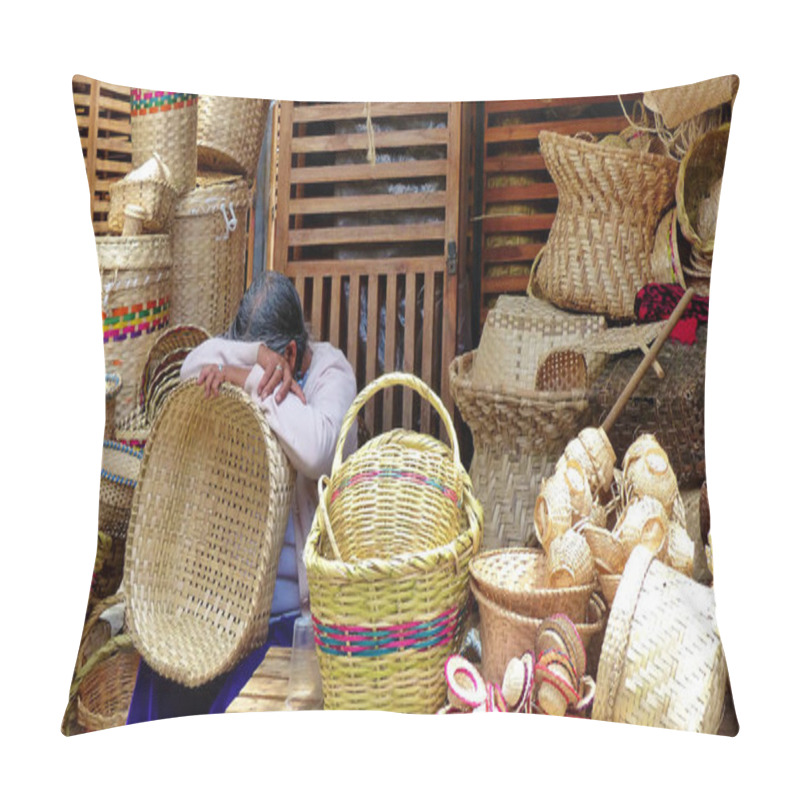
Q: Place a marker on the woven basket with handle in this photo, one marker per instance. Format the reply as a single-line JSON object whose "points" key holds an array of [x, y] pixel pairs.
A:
{"points": [[387, 561], [208, 519], [610, 201]]}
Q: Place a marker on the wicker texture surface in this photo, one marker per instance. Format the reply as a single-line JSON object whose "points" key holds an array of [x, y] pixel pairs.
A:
{"points": [[389, 589], [518, 440], [230, 131], [166, 123], [680, 103], [662, 662], [135, 283], [151, 189], [209, 239], [672, 408], [610, 201], [209, 516], [113, 386], [118, 475]]}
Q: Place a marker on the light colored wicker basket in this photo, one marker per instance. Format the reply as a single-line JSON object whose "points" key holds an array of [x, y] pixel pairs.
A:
{"points": [[518, 440], [678, 104], [230, 131], [610, 201], [209, 239], [209, 515], [135, 283], [166, 123], [662, 662], [151, 189], [113, 385], [506, 635], [516, 579], [118, 476], [387, 616]]}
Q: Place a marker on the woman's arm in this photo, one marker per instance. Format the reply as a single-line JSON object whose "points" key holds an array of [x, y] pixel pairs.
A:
{"points": [[219, 351]]}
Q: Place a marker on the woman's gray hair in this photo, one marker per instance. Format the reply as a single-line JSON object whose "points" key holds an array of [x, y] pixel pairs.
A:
{"points": [[270, 312]]}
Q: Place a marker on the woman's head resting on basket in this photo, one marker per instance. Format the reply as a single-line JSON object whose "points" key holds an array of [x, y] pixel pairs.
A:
{"points": [[270, 312]]}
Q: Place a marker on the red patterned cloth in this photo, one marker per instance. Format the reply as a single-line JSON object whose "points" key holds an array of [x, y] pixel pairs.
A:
{"points": [[656, 301]]}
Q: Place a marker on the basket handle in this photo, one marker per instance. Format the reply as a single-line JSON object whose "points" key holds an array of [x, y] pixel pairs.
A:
{"points": [[384, 381], [323, 509], [534, 269]]}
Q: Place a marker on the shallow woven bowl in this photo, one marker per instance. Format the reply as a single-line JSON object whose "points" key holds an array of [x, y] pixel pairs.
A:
{"points": [[516, 579]]}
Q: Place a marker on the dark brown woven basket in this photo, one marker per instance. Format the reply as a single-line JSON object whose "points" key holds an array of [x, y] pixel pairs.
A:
{"points": [[671, 408]]}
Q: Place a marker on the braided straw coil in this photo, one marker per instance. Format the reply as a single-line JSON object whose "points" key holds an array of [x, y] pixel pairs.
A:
{"points": [[386, 559], [208, 519], [662, 662], [610, 201], [230, 131]]}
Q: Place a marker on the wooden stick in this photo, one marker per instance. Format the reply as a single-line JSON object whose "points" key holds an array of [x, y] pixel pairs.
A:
{"points": [[637, 376]]}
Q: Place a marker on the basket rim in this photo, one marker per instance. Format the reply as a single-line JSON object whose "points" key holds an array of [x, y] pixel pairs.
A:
{"points": [[618, 153]]}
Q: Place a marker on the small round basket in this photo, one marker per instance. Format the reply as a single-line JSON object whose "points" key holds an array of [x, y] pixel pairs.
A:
{"points": [[208, 521], [516, 579]]}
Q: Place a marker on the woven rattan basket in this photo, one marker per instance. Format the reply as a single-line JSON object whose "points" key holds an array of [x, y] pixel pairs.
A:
{"points": [[149, 187], [166, 123], [134, 430], [387, 616], [610, 201], [209, 238], [105, 691], [208, 520], [230, 131], [135, 283], [518, 440], [113, 385], [672, 408], [662, 662], [506, 635], [516, 579], [118, 476]]}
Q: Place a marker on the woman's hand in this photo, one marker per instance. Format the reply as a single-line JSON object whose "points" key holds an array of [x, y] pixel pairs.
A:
{"points": [[212, 376], [277, 376]]}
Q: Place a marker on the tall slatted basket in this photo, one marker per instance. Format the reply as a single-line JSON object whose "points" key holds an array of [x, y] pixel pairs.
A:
{"points": [[610, 201], [135, 278], [208, 521], [230, 131], [209, 240], [387, 561]]}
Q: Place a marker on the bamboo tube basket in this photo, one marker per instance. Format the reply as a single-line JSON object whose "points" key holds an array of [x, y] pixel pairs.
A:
{"points": [[118, 476], [149, 187], [506, 634], [166, 123], [208, 520], [516, 579], [209, 239], [230, 131], [135, 281], [105, 690], [113, 385], [662, 662], [386, 559], [610, 201]]}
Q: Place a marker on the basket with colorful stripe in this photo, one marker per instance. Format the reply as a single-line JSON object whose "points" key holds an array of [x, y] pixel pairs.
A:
{"points": [[135, 283], [118, 475], [387, 562]]}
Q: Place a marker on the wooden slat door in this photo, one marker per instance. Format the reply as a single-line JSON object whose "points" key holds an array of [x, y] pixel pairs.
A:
{"points": [[367, 244]]}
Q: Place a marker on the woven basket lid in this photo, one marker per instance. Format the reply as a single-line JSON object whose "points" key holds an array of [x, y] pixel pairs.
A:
{"points": [[213, 188], [662, 662], [680, 103]]}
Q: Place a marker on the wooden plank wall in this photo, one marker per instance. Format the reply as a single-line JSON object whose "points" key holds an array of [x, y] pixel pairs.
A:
{"points": [[104, 122], [367, 244], [519, 197]]}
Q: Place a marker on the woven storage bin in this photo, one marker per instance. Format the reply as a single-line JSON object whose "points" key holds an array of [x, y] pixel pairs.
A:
{"points": [[662, 662], [610, 201], [516, 579], [672, 408], [149, 187], [118, 477], [518, 440], [135, 282], [700, 170], [230, 131], [113, 385], [166, 123], [104, 694], [388, 616], [209, 238], [208, 520], [506, 635]]}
